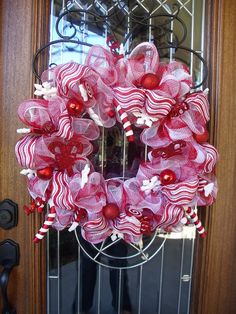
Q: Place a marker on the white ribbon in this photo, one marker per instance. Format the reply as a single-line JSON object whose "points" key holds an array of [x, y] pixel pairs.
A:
{"points": [[83, 92], [85, 173], [95, 117]]}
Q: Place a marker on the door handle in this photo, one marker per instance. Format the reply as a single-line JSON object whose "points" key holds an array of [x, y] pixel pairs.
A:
{"points": [[9, 257]]}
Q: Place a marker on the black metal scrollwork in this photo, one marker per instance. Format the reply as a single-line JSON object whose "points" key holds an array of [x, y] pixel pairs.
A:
{"points": [[124, 20]]}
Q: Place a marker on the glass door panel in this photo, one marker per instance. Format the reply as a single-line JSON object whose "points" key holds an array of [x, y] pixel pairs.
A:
{"points": [[159, 279]]}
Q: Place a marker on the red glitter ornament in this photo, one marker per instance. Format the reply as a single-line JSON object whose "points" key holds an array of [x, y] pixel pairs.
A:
{"points": [[150, 81], [45, 173], [111, 211], [167, 176], [201, 138], [74, 108]]}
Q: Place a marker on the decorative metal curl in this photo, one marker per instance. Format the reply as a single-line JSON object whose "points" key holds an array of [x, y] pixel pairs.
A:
{"points": [[41, 50], [164, 31], [164, 37], [138, 21], [97, 19], [205, 68]]}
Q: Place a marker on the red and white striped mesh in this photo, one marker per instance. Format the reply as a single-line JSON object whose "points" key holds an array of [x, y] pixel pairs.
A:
{"points": [[110, 88]]}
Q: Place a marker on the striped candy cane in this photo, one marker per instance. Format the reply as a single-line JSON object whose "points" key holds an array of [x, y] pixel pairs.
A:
{"points": [[202, 184], [75, 222], [79, 214], [125, 122], [194, 218], [46, 225]]}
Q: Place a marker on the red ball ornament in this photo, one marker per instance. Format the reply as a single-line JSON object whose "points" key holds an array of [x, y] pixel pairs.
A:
{"points": [[74, 108], [150, 81], [167, 176], [45, 173], [111, 211], [201, 138]]}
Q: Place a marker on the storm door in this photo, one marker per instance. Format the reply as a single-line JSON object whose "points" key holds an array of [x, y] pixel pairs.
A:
{"points": [[118, 278]]}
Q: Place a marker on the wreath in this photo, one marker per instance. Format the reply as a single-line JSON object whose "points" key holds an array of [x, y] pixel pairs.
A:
{"points": [[74, 101]]}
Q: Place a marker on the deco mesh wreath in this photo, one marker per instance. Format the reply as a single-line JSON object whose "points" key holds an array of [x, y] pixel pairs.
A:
{"points": [[138, 90]]}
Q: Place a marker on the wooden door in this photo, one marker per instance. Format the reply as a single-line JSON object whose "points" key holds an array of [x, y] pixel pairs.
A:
{"points": [[215, 276], [24, 26]]}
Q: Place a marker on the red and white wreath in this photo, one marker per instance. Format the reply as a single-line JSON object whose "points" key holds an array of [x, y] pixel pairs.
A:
{"points": [[139, 90]]}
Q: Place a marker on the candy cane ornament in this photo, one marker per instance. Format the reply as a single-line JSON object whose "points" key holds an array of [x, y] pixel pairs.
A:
{"points": [[125, 122], [46, 225], [79, 214], [194, 218]]}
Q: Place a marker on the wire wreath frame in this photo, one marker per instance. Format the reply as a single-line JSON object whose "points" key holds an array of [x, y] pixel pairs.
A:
{"points": [[142, 256]]}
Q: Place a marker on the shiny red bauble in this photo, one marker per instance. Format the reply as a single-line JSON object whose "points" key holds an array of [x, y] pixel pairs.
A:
{"points": [[202, 138], [150, 81], [111, 211], [74, 108], [167, 176], [45, 173]]}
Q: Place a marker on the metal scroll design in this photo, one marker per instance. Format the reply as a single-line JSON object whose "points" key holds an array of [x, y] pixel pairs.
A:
{"points": [[127, 22]]}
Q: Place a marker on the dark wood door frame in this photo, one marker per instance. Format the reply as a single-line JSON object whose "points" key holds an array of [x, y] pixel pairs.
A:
{"points": [[214, 289]]}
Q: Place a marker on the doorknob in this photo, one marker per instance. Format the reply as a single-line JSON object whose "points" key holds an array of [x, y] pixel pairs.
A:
{"points": [[9, 257]]}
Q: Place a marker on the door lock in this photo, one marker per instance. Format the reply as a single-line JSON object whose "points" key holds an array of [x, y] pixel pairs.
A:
{"points": [[8, 214]]}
